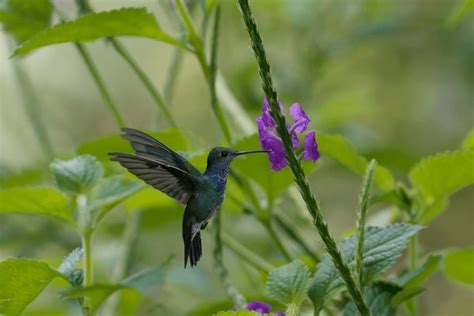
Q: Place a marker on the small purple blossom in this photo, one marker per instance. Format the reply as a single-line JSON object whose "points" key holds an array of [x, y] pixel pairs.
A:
{"points": [[259, 307], [269, 139]]}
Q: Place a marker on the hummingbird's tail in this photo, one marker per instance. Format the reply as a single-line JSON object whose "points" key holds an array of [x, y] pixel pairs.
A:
{"points": [[192, 246]]}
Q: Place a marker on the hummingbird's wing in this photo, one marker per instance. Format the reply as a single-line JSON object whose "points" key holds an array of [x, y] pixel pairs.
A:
{"points": [[176, 183], [149, 147]]}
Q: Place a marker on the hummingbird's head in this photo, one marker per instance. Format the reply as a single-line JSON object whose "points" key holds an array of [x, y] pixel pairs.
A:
{"points": [[221, 157]]}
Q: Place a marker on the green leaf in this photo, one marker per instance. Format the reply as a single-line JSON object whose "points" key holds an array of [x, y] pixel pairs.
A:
{"points": [[22, 280], [378, 298], [15, 178], [289, 283], [460, 12], [94, 26], [428, 213], [112, 190], [382, 247], [77, 175], [405, 294], [339, 148], [458, 265], [35, 201], [440, 175], [98, 293], [100, 147], [257, 168], [416, 277], [25, 18], [468, 142]]}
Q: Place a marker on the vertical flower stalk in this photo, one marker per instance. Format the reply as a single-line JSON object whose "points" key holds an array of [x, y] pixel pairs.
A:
{"points": [[294, 163], [364, 200]]}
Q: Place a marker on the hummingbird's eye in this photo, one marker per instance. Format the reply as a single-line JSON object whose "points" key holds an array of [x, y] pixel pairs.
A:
{"points": [[224, 153]]}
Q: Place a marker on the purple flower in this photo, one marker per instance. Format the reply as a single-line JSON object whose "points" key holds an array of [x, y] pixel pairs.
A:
{"points": [[259, 307], [269, 139], [279, 314]]}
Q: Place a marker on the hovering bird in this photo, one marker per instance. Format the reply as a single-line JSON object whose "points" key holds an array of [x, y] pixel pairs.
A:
{"points": [[172, 174]]}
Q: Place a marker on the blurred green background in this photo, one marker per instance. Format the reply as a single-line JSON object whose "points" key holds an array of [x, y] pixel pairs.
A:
{"points": [[394, 77]]}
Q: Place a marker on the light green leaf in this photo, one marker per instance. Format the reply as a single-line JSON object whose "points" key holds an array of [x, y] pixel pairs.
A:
{"points": [[112, 190], [97, 25], [382, 247], [35, 201], [77, 175], [458, 265], [468, 142], [378, 298], [98, 293], [258, 169], [25, 18], [440, 175], [289, 283], [22, 280], [339, 149], [100, 147], [15, 178], [416, 277], [428, 213]]}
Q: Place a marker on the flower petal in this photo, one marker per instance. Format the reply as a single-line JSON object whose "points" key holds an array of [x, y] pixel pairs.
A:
{"points": [[294, 137], [267, 119], [310, 151], [300, 119], [259, 307], [277, 151]]}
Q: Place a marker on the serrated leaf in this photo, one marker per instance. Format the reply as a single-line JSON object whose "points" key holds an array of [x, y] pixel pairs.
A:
{"points": [[77, 175], [257, 168], [97, 25], [100, 147], [339, 149], [378, 298], [458, 265], [416, 277], [382, 247], [25, 18], [22, 280], [112, 190], [289, 283], [35, 201], [468, 142], [70, 261], [440, 175], [98, 293]]}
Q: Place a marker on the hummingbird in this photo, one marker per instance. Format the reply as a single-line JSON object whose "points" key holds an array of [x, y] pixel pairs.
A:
{"points": [[169, 172]]}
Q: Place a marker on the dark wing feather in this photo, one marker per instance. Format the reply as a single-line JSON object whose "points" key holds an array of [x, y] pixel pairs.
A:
{"points": [[176, 183], [149, 147]]}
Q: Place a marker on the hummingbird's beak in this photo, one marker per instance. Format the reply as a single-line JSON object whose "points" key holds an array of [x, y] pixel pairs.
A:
{"points": [[245, 152]]}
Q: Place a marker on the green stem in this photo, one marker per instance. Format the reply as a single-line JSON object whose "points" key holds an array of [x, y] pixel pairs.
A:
{"points": [[364, 200], [87, 267], [292, 309], [412, 304], [246, 254], [100, 84], [155, 94], [173, 70], [291, 232], [276, 240], [295, 164]]}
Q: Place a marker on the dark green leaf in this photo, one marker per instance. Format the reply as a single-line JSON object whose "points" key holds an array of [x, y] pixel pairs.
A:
{"points": [[21, 281], [93, 26], [25, 18], [112, 190], [338, 148], [416, 277], [458, 265], [378, 298], [382, 247], [35, 201], [77, 175], [288, 284]]}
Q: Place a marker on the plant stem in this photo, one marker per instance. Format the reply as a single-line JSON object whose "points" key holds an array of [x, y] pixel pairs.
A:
{"points": [[31, 103], [364, 200], [173, 70], [290, 231], [412, 304], [100, 84], [155, 94], [246, 254], [294, 163], [87, 267]]}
